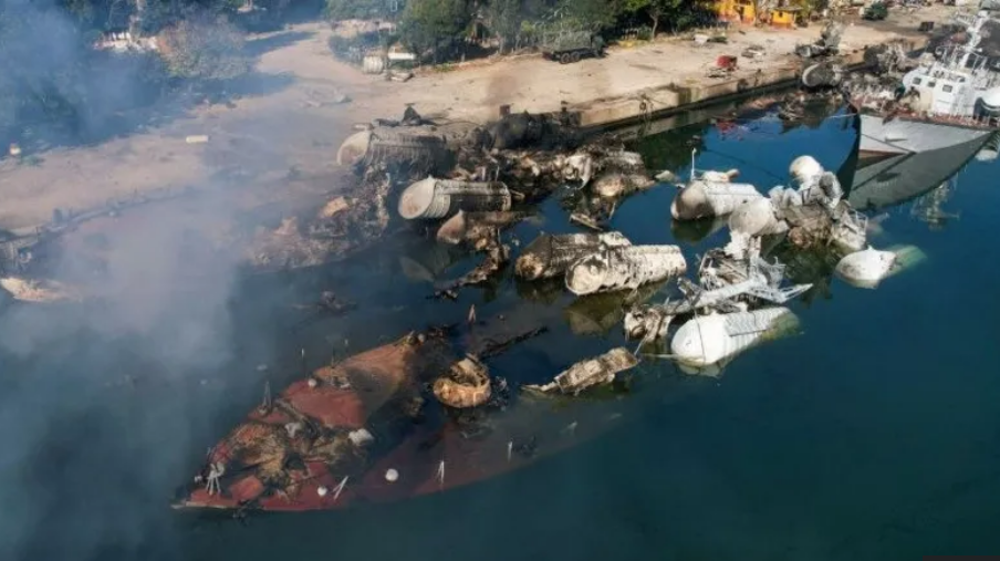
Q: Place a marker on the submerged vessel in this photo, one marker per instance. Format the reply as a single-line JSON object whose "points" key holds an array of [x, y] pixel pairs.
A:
{"points": [[948, 100], [365, 430]]}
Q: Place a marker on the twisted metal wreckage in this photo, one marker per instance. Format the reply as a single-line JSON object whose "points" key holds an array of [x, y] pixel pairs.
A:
{"points": [[425, 414]]}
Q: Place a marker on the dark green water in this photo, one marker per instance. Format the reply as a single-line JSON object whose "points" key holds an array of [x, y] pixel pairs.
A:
{"points": [[872, 435]]}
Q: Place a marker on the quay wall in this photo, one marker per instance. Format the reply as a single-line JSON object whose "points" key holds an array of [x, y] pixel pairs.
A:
{"points": [[672, 99]]}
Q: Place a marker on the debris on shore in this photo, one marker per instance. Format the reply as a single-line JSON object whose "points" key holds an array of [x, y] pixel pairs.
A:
{"points": [[39, 290]]}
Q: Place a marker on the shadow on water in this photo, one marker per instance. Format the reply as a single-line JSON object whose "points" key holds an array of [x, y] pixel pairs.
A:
{"points": [[842, 443]]}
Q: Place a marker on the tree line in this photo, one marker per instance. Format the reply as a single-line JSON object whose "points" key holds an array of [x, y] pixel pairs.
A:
{"points": [[427, 26], [54, 84], [51, 77]]}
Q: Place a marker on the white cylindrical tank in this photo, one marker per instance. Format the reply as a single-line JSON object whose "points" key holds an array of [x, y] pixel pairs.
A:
{"points": [[756, 218], [804, 169], [866, 268], [989, 102], [354, 148], [437, 198], [625, 267], [722, 176], [710, 339], [373, 64], [705, 199]]}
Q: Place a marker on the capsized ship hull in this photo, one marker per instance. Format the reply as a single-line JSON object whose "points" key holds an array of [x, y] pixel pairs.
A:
{"points": [[300, 453]]}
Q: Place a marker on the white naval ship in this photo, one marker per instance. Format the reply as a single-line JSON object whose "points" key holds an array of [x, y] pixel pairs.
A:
{"points": [[948, 100]]}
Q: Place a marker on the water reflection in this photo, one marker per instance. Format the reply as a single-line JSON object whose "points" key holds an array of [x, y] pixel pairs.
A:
{"points": [[694, 231], [929, 208], [894, 180]]}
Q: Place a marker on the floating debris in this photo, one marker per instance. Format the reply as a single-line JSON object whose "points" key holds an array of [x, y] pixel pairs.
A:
{"points": [[757, 218], [333, 207], [467, 384], [615, 185], [497, 256], [597, 314], [762, 282], [706, 199], [590, 372], [626, 267], [550, 255], [869, 267], [712, 338], [474, 227]]}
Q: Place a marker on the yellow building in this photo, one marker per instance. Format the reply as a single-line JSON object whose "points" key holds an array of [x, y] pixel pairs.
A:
{"points": [[785, 17], [736, 10]]}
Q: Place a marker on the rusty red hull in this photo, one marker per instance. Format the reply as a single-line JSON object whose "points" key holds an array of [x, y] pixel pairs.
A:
{"points": [[435, 451]]}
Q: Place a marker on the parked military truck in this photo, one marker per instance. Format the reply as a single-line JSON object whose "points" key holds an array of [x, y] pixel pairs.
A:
{"points": [[571, 46]]}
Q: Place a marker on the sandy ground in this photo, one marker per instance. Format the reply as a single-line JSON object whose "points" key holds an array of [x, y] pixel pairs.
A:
{"points": [[280, 146]]}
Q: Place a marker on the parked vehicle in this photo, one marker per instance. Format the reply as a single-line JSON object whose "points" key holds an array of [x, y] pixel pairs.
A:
{"points": [[572, 46]]}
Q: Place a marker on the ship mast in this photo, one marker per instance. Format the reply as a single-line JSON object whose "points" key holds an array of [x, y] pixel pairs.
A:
{"points": [[974, 37]]}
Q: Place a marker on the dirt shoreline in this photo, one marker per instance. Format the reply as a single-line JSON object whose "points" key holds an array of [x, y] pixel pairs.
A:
{"points": [[280, 147]]}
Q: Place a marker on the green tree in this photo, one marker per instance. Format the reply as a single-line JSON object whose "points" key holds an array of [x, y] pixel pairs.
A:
{"points": [[205, 47], [591, 14], [433, 25], [681, 13], [337, 10], [503, 18]]}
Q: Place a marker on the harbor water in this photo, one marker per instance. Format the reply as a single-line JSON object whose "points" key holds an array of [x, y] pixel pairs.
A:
{"points": [[872, 434]]}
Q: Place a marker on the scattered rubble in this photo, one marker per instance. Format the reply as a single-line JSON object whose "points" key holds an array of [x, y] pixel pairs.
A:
{"points": [[727, 285], [598, 314], [550, 256], [497, 256], [467, 384], [288, 247], [621, 268], [39, 290], [828, 43], [589, 373], [464, 188], [823, 75], [475, 228]]}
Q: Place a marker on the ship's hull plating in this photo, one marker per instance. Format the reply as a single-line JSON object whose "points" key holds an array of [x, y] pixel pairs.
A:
{"points": [[901, 135]]}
